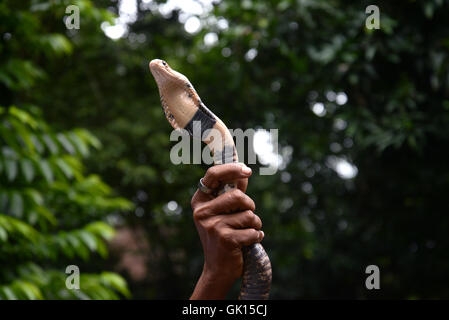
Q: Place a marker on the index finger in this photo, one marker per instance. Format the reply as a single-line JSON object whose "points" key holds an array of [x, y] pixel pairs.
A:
{"points": [[225, 173]]}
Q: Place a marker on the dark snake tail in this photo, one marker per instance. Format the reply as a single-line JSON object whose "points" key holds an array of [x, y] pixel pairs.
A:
{"points": [[256, 282]]}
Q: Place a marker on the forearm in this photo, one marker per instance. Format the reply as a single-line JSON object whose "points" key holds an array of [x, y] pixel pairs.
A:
{"points": [[211, 287]]}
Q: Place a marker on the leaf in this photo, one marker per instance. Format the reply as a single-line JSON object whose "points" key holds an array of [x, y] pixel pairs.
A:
{"points": [[46, 213], [45, 170], [11, 139], [80, 144], [20, 74], [101, 229], [3, 234], [79, 247], [428, 10], [88, 137], [64, 244], [75, 165], [30, 290], [32, 217], [27, 169], [88, 239], [16, 206], [65, 143], [8, 293], [102, 249], [115, 281], [23, 116], [13, 225], [11, 169], [35, 196], [50, 143], [23, 133], [64, 167], [58, 43], [37, 144]]}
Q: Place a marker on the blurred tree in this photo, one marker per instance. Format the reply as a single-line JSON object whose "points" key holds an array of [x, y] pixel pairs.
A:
{"points": [[51, 211], [362, 118]]}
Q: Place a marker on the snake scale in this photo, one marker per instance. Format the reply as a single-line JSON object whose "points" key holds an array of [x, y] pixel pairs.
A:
{"points": [[184, 109]]}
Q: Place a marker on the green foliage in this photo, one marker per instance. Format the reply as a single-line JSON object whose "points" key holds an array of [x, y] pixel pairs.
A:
{"points": [[51, 211]]}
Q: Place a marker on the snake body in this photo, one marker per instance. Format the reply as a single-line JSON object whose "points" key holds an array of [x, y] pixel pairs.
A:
{"points": [[184, 109]]}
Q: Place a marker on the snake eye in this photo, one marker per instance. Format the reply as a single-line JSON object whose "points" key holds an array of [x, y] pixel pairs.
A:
{"points": [[164, 63]]}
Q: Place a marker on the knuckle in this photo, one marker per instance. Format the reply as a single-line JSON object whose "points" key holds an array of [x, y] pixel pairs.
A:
{"points": [[212, 227], [254, 219], [225, 237], [199, 212], [237, 196], [250, 215], [254, 234], [212, 172], [235, 167]]}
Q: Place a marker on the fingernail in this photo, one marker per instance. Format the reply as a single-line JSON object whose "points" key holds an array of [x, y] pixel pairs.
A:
{"points": [[246, 170], [262, 235]]}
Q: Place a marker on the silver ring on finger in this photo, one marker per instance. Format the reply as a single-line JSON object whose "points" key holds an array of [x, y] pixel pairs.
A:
{"points": [[203, 188]]}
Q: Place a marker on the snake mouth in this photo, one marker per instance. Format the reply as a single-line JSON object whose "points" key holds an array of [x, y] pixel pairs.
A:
{"points": [[160, 70]]}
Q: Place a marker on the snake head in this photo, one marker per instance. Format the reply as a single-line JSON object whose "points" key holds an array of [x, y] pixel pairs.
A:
{"points": [[163, 74], [179, 99]]}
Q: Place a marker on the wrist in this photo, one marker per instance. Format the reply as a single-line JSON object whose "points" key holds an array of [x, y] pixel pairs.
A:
{"points": [[220, 278], [212, 285]]}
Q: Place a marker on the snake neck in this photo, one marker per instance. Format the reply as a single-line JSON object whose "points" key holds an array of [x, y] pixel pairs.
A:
{"points": [[221, 144]]}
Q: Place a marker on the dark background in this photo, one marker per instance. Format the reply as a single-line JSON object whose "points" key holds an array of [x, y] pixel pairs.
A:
{"points": [[363, 119]]}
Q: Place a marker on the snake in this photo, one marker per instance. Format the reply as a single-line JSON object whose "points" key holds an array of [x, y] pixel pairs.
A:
{"points": [[184, 109]]}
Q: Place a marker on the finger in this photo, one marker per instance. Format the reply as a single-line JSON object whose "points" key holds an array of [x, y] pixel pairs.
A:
{"points": [[242, 220], [228, 202], [242, 184], [225, 173], [201, 197], [246, 237]]}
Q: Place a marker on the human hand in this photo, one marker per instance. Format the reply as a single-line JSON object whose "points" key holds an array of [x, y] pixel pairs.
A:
{"points": [[225, 224]]}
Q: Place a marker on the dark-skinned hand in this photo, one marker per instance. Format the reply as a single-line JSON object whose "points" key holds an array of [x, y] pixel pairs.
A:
{"points": [[225, 224]]}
